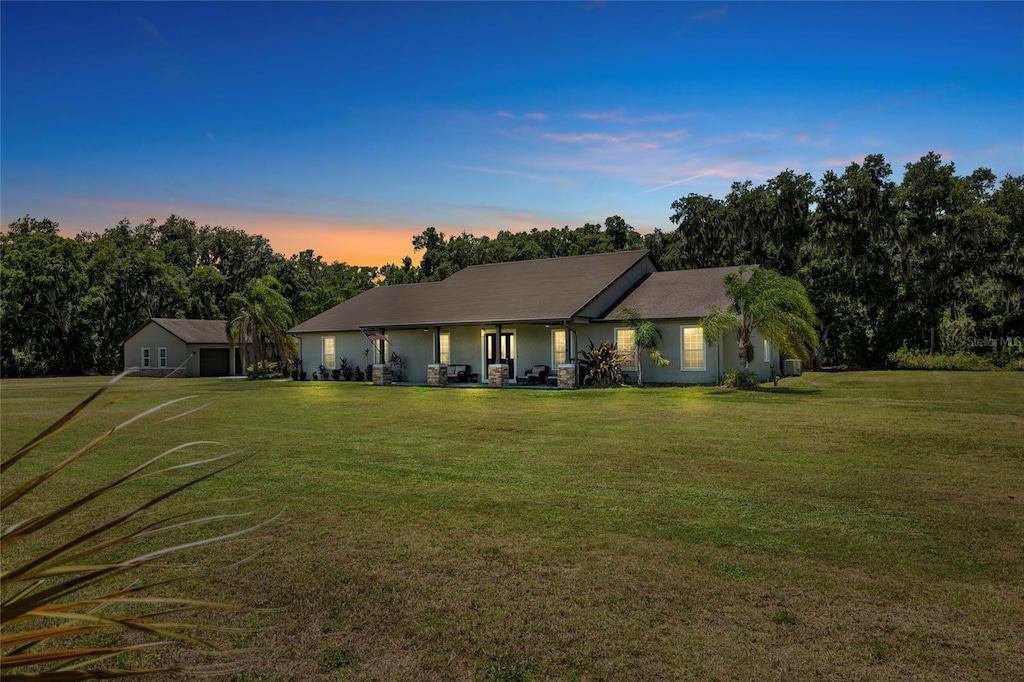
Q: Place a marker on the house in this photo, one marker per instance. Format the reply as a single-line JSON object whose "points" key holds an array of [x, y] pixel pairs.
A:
{"points": [[503, 318], [171, 347]]}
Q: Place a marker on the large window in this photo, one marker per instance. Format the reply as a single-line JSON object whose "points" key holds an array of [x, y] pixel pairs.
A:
{"points": [[559, 351], [329, 356], [626, 343], [445, 343], [145, 357], [693, 349], [161, 356], [767, 351]]}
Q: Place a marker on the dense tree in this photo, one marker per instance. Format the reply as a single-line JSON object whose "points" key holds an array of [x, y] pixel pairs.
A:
{"points": [[44, 286]]}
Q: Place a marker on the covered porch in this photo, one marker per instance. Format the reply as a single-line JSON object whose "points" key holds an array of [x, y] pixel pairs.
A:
{"points": [[534, 353]]}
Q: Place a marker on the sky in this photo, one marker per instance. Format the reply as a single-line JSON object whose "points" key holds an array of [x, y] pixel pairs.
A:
{"points": [[348, 128]]}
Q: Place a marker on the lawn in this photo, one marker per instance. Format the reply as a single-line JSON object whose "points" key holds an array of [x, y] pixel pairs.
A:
{"points": [[843, 526]]}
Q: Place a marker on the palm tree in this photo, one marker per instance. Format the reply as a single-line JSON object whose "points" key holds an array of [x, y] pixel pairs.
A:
{"points": [[261, 316], [777, 307], [645, 339]]}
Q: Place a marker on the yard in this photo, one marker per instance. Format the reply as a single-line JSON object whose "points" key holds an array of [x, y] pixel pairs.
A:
{"points": [[843, 526]]}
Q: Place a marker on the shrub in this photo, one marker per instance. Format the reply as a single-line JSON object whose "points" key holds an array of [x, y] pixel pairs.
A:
{"points": [[742, 379], [369, 372], [264, 369], [357, 374], [905, 358], [954, 334], [336, 374], [397, 363], [601, 366]]}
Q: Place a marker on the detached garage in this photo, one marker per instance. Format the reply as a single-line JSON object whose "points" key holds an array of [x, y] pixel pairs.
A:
{"points": [[182, 348]]}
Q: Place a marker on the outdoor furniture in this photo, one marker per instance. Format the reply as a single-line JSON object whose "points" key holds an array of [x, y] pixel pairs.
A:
{"points": [[538, 374], [458, 374]]}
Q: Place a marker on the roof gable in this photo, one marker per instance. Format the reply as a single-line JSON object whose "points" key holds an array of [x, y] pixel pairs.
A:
{"points": [[676, 294], [194, 331]]}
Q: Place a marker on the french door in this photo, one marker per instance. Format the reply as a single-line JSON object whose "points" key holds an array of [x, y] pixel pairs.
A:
{"points": [[502, 353]]}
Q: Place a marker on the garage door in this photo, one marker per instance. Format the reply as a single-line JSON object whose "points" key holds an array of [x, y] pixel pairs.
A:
{"points": [[214, 362]]}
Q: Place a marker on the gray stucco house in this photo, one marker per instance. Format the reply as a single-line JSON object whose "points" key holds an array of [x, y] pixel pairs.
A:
{"points": [[501, 319], [173, 347]]}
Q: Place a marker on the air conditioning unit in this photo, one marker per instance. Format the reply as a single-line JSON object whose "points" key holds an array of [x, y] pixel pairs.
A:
{"points": [[793, 368]]}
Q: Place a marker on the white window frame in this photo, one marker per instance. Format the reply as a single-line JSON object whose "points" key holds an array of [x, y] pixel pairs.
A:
{"points": [[554, 347], [334, 352], [682, 349], [444, 344], [619, 346], [161, 357], [767, 351], [145, 357]]}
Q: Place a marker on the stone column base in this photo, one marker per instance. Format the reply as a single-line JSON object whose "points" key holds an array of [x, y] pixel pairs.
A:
{"points": [[437, 375], [497, 376], [567, 376], [382, 375]]}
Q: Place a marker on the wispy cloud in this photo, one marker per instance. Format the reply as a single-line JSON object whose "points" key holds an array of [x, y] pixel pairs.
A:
{"points": [[629, 141], [506, 171], [678, 182], [620, 116], [836, 162], [532, 115], [744, 136], [716, 13]]}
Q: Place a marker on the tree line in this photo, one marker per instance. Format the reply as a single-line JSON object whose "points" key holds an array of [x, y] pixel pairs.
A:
{"points": [[932, 262], [67, 304], [929, 263]]}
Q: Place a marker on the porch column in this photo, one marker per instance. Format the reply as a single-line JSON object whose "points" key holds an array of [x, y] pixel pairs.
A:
{"points": [[569, 354], [437, 372], [380, 348], [497, 374]]}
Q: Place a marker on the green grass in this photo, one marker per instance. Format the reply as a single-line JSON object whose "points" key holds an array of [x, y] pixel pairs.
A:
{"points": [[843, 526]]}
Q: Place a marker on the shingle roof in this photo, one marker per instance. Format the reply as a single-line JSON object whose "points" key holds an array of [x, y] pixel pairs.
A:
{"points": [[551, 289], [676, 294], [195, 331]]}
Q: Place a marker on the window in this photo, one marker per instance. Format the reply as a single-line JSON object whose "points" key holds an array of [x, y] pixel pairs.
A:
{"points": [[445, 343], [624, 341], [559, 353], [329, 357], [767, 351], [693, 349], [161, 356], [145, 357]]}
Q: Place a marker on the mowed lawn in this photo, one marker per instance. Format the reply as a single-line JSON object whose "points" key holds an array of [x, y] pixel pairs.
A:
{"points": [[843, 526]]}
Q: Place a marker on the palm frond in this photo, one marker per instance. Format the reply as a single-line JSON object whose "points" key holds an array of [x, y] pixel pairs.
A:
{"points": [[53, 596]]}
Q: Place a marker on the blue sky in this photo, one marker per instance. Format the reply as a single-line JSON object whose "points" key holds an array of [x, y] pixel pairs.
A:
{"points": [[350, 127]]}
